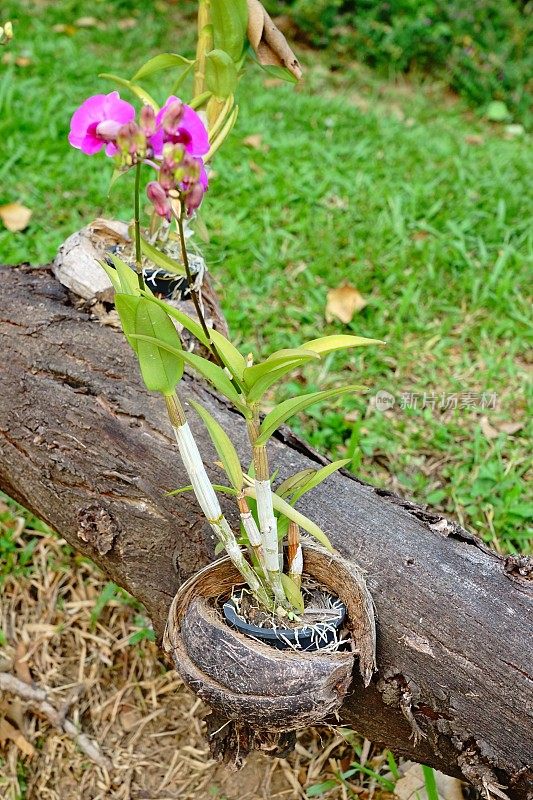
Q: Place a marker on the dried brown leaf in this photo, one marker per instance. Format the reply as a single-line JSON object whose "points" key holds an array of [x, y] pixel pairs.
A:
{"points": [[86, 22], [493, 430], [474, 138], [15, 216], [255, 141], [127, 23], [343, 303], [268, 42]]}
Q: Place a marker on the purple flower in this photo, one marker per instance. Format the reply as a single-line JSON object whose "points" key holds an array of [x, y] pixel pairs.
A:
{"points": [[96, 123], [182, 125]]}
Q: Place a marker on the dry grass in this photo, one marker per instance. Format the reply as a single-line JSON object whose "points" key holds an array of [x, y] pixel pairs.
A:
{"points": [[122, 696]]}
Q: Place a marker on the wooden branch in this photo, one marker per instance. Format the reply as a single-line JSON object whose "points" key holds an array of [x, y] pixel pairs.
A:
{"points": [[85, 447], [38, 699]]}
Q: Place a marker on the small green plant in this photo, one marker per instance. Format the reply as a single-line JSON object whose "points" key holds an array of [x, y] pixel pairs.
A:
{"points": [[175, 143]]}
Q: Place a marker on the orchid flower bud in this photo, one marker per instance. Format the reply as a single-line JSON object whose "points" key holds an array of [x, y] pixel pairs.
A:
{"points": [[131, 141], [172, 117], [194, 197], [147, 117], [158, 197], [166, 177]]}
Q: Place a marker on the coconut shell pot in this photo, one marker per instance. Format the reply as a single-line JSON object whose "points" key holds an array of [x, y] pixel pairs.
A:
{"points": [[246, 680]]}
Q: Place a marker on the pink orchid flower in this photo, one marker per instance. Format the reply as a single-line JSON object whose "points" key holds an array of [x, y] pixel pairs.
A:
{"points": [[186, 127], [96, 123]]}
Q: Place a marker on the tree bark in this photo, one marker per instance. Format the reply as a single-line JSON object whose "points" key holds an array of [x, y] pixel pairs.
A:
{"points": [[86, 448]]}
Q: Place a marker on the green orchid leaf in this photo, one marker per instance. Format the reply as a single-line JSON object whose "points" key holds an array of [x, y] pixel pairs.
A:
{"points": [[289, 485], [227, 351], [292, 593], [200, 100], [293, 405], [156, 340], [137, 90], [277, 71], [126, 306], [117, 174], [162, 62], [129, 282], [187, 322], [229, 354], [230, 20], [327, 344], [181, 78], [112, 274], [161, 259], [223, 445], [278, 359], [288, 511], [211, 372], [263, 384], [220, 73], [317, 478], [216, 486], [182, 489]]}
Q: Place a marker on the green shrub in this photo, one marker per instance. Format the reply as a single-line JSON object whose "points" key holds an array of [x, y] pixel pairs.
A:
{"points": [[482, 48]]}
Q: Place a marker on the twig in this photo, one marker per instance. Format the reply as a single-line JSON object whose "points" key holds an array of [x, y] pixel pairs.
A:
{"points": [[37, 698]]}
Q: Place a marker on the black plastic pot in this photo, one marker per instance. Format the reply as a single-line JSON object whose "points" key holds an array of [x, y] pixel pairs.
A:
{"points": [[167, 284], [305, 639]]}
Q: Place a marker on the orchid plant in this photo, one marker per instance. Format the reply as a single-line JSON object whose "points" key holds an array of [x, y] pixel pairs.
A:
{"points": [[173, 144]]}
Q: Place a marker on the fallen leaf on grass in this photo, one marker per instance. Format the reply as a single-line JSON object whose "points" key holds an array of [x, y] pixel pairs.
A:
{"points": [[15, 216], [492, 431], [343, 302], [127, 23], [255, 141], [61, 27], [86, 22], [23, 61], [474, 138], [8, 731], [256, 168]]}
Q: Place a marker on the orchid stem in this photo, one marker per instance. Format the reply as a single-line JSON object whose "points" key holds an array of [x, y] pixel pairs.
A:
{"points": [[268, 526], [208, 500], [137, 226], [194, 293]]}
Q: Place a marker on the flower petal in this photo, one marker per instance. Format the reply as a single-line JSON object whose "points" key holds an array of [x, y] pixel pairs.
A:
{"points": [[196, 129], [91, 145]]}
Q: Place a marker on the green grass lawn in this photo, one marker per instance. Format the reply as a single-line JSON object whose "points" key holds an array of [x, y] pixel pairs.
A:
{"points": [[394, 188]]}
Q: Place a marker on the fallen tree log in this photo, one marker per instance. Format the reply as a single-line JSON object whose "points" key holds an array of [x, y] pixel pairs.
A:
{"points": [[85, 447]]}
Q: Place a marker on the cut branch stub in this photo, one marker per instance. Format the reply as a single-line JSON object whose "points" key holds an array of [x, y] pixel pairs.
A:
{"points": [[246, 680]]}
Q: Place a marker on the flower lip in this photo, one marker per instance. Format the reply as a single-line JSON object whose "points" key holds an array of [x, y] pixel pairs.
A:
{"points": [[107, 129]]}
